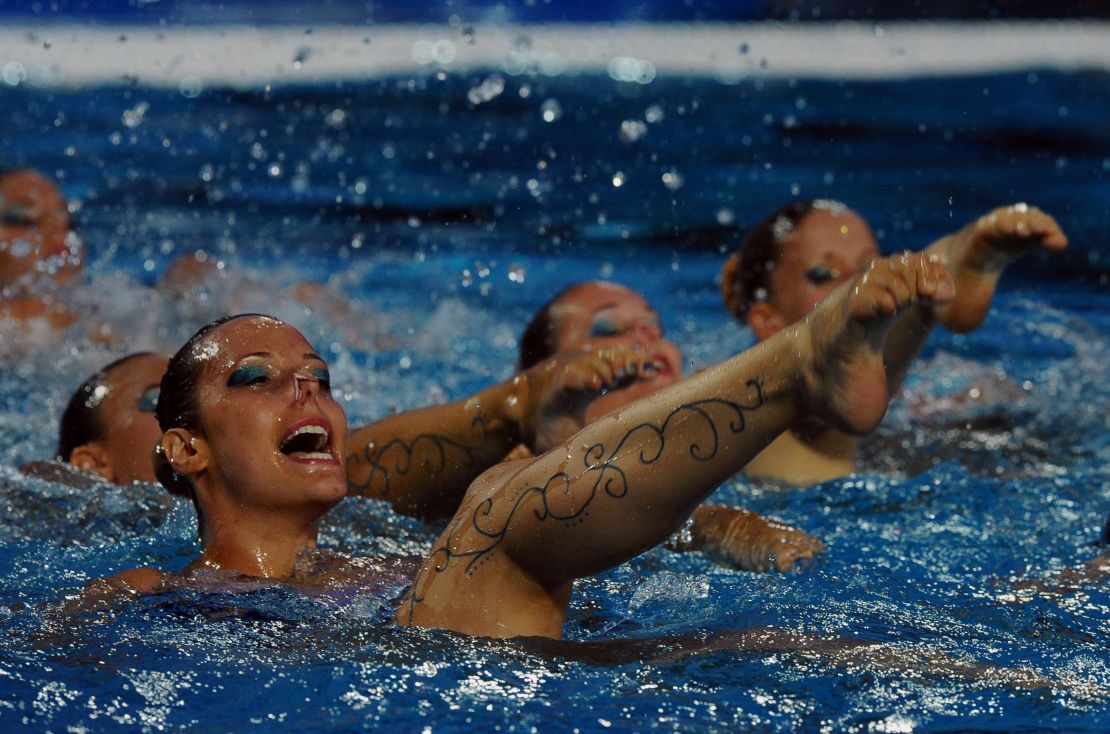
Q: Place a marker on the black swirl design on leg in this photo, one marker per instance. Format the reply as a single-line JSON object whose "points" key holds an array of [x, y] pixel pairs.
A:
{"points": [[610, 479]]}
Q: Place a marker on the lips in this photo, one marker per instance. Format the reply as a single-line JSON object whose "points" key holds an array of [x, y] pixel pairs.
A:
{"points": [[309, 442], [663, 366]]}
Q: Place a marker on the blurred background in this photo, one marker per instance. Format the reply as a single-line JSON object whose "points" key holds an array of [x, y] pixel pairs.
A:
{"points": [[538, 11]]}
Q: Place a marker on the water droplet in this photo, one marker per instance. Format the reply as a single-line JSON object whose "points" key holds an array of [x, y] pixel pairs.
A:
{"points": [[191, 86], [551, 110], [673, 180], [632, 130]]}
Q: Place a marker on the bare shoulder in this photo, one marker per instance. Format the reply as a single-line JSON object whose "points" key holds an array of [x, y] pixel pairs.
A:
{"points": [[136, 580]]}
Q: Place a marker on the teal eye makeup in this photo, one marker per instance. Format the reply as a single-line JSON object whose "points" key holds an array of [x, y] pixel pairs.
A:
{"points": [[17, 216], [148, 401], [323, 376], [604, 326], [820, 274], [248, 374]]}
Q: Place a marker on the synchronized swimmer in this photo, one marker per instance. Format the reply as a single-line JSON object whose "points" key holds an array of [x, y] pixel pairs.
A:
{"points": [[252, 432], [242, 422]]}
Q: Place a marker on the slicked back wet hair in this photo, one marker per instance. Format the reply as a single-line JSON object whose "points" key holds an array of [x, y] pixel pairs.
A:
{"points": [[177, 399], [81, 422], [537, 343], [746, 275]]}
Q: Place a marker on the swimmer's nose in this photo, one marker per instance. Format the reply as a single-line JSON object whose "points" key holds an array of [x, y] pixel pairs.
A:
{"points": [[648, 331], [305, 386]]}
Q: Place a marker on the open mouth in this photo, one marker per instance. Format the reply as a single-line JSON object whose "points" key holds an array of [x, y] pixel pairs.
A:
{"points": [[308, 442]]}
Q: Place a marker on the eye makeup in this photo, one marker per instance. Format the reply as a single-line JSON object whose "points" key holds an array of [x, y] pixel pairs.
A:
{"points": [[248, 374], [323, 376], [17, 215], [149, 399], [821, 274], [604, 326]]}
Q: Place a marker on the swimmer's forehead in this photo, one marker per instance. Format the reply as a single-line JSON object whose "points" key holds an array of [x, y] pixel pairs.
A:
{"points": [[143, 370], [253, 336], [600, 296], [783, 227], [829, 233], [29, 187], [146, 369]]}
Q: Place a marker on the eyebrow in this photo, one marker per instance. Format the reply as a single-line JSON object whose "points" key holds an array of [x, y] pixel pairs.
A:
{"points": [[306, 355]]}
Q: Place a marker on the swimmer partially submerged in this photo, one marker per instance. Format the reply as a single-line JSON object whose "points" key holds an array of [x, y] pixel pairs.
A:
{"points": [[603, 315], [526, 529], [797, 255]]}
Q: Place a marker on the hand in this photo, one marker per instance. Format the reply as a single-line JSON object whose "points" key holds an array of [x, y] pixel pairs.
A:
{"points": [[560, 389], [750, 541]]}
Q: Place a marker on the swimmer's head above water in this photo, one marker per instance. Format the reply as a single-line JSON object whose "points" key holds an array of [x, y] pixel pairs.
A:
{"points": [[249, 424], [36, 237], [110, 418], [598, 315], [793, 259]]}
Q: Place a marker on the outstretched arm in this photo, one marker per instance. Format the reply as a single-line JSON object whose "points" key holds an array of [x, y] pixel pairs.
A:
{"points": [[976, 256], [423, 460], [625, 482]]}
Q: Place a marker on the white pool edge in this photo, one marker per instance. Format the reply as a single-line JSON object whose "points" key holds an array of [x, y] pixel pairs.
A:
{"points": [[193, 58]]}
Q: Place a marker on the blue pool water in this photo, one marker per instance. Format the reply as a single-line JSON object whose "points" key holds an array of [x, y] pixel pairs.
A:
{"points": [[447, 209]]}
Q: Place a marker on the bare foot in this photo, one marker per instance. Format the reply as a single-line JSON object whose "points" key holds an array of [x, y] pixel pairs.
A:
{"points": [[979, 252], [845, 381]]}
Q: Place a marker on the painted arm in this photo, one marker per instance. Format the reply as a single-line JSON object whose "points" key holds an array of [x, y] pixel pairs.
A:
{"points": [[423, 460]]}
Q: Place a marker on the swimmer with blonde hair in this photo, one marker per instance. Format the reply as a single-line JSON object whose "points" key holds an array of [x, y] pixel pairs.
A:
{"points": [[252, 431], [796, 256]]}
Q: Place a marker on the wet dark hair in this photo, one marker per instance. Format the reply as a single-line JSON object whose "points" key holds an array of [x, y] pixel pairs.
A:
{"points": [[537, 343], [177, 401], [746, 274], [81, 422]]}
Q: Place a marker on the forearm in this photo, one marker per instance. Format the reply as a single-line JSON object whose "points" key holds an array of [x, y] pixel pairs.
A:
{"points": [[423, 460]]}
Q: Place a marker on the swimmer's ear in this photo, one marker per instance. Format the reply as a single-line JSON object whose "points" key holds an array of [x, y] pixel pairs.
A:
{"points": [[93, 458], [184, 451], [764, 320]]}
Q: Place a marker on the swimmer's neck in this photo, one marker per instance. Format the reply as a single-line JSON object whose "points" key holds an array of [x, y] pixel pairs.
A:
{"points": [[819, 456], [268, 549]]}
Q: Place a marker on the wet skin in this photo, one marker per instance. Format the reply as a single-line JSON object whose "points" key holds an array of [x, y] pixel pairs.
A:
{"points": [[35, 232], [599, 315], [130, 430], [262, 383], [827, 248]]}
